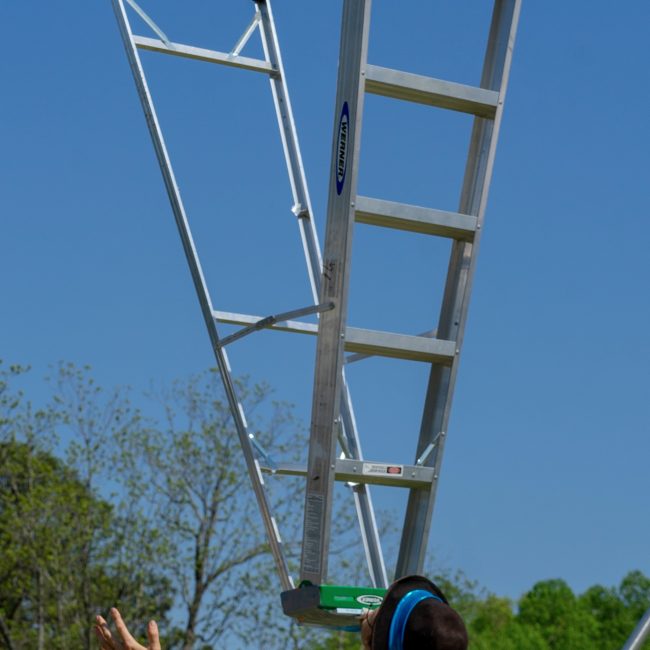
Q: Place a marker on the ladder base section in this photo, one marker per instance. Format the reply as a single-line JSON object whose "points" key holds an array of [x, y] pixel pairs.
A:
{"points": [[331, 606]]}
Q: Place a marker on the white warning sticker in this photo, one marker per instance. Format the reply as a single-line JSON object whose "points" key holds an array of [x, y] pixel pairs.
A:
{"points": [[379, 469]]}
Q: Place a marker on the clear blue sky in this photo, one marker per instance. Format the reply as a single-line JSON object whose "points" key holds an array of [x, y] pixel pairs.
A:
{"points": [[546, 471]]}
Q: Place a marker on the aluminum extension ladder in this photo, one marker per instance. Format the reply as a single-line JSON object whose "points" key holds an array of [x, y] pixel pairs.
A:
{"points": [[345, 207], [255, 457], [332, 413]]}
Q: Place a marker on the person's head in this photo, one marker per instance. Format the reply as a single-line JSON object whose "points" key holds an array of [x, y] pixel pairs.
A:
{"points": [[414, 615]]}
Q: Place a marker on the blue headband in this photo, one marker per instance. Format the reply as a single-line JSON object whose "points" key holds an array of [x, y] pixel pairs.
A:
{"points": [[402, 612]]}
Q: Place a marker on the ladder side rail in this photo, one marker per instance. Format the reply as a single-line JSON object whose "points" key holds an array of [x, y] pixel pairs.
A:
{"points": [[325, 415], [311, 247], [455, 304], [198, 279], [362, 496], [302, 202]]}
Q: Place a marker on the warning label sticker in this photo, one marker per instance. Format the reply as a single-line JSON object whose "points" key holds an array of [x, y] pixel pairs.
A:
{"points": [[312, 540], [382, 470]]}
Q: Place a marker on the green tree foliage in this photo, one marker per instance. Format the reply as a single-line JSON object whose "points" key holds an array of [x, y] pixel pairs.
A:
{"points": [[59, 565], [551, 617], [614, 618], [634, 592], [552, 608], [494, 627]]}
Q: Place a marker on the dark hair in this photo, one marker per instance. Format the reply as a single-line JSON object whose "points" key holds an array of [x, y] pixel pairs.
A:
{"points": [[434, 626]]}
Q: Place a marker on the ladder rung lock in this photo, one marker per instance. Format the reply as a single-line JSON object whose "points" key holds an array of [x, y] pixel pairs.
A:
{"points": [[370, 342], [369, 472], [413, 218], [201, 54], [433, 92]]}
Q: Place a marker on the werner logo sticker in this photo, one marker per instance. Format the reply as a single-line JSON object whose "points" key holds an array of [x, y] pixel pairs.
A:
{"points": [[342, 148], [369, 600]]}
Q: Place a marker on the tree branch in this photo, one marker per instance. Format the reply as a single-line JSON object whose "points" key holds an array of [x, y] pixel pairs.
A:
{"points": [[4, 633]]}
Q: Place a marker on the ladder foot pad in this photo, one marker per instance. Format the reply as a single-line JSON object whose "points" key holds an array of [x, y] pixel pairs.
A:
{"points": [[332, 606]]}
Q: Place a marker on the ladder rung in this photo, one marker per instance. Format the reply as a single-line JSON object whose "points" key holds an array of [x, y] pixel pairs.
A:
{"points": [[413, 218], [434, 92], [370, 342], [363, 471], [201, 54], [399, 346]]}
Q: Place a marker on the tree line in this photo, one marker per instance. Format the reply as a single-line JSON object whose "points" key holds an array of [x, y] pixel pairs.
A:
{"points": [[102, 505]]}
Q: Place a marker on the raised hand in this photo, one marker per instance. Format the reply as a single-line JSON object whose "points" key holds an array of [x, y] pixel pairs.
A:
{"points": [[108, 642]]}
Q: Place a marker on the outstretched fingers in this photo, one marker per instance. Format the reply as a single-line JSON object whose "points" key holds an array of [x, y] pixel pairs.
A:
{"points": [[129, 641], [108, 642], [103, 634], [152, 635]]}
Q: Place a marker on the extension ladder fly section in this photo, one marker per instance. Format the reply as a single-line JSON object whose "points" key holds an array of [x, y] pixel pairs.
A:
{"points": [[255, 457], [357, 77], [486, 103]]}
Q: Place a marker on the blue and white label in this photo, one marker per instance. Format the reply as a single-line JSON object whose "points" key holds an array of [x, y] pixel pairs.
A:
{"points": [[342, 148]]}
